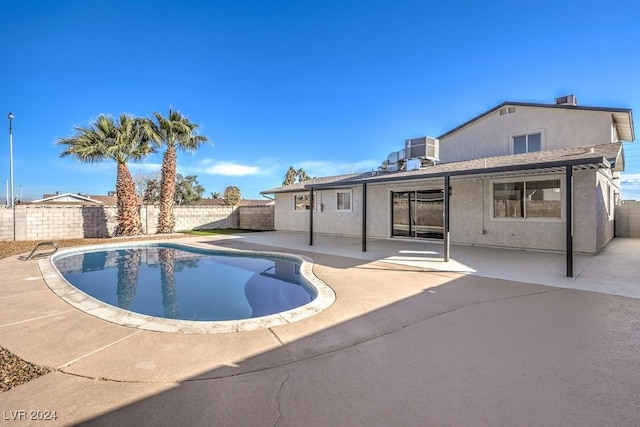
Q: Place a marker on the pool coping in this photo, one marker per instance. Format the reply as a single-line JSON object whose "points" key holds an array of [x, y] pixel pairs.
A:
{"points": [[325, 296]]}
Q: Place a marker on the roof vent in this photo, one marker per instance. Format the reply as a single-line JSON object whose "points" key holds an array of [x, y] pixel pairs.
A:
{"points": [[567, 100]]}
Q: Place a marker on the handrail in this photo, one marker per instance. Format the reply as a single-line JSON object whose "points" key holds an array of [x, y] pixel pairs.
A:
{"points": [[43, 254]]}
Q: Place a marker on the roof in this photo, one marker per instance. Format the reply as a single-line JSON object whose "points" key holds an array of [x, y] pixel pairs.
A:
{"points": [[622, 117], [598, 156], [67, 198], [300, 186], [71, 198]]}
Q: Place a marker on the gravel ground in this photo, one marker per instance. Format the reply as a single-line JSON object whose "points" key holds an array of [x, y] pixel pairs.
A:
{"points": [[13, 370]]}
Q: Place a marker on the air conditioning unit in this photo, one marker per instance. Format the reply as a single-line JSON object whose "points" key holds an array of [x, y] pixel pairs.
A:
{"points": [[424, 147], [567, 100]]}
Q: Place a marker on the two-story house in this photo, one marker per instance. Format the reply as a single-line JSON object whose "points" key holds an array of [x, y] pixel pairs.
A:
{"points": [[520, 175]]}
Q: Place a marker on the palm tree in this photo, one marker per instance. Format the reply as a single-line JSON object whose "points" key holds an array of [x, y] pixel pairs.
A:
{"points": [[175, 131], [125, 140]]}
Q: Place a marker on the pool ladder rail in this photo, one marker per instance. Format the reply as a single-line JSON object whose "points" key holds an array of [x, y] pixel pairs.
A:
{"points": [[33, 253]]}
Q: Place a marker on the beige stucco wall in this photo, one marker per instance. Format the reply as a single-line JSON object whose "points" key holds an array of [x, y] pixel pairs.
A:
{"points": [[471, 215], [326, 218], [286, 219], [560, 128]]}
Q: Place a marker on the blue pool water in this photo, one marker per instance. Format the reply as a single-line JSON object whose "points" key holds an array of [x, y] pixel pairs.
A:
{"points": [[187, 284]]}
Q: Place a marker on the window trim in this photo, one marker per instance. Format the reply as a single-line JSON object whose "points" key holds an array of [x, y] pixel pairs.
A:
{"points": [[527, 133], [521, 178], [295, 199], [350, 193]]}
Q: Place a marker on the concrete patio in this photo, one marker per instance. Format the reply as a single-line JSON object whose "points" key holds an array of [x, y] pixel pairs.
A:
{"points": [[492, 337]]}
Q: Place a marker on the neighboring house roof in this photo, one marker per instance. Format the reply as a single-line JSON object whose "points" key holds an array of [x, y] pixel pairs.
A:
{"points": [[300, 186], [67, 198], [242, 202], [71, 198], [608, 155], [256, 202], [621, 116]]}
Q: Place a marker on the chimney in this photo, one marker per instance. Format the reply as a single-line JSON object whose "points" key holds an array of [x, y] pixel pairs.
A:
{"points": [[567, 100]]}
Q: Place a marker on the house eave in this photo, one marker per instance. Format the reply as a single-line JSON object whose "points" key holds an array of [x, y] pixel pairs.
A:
{"points": [[597, 162]]}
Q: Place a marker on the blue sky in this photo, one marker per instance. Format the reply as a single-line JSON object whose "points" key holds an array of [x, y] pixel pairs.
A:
{"points": [[328, 86]]}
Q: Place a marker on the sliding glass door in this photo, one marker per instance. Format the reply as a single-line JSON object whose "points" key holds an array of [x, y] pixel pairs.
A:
{"points": [[417, 213]]}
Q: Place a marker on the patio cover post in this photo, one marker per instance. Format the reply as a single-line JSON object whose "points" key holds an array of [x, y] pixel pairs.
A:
{"points": [[569, 219], [446, 218], [311, 216], [364, 217]]}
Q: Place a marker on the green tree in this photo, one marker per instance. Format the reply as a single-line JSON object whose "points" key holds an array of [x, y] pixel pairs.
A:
{"points": [[175, 131], [122, 141], [293, 176], [151, 193], [290, 177], [188, 190], [216, 195], [232, 195], [141, 179], [302, 175]]}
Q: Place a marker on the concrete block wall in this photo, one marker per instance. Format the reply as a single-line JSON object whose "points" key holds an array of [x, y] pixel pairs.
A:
{"points": [[205, 217], [628, 219], [50, 222], [256, 218]]}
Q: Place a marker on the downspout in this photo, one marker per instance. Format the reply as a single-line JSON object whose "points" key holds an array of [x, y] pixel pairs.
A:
{"points": [[364, 217], [569, 220], [446, 218]]}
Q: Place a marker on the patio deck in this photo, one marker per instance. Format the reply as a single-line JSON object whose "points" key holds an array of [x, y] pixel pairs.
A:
{"points": [[409, 341]]}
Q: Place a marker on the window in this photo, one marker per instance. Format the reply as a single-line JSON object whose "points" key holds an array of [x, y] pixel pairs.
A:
{"points": [[343, 202], [527, 143], [301, 202], [527, 199]]}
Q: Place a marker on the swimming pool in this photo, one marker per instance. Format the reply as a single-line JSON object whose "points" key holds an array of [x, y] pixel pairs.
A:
{"points": [[183, 288]]}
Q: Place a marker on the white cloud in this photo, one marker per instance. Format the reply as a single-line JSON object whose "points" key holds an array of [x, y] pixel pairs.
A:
{"points": [[630, 178], [144, 167], [630, 186], [232, 169]]}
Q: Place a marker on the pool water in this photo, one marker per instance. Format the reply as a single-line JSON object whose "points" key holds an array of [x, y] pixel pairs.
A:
{"points": [[187, 284]]}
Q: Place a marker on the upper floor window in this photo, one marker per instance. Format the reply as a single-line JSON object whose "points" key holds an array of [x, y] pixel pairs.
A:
{"points": [[343, 202], [527, 143]]}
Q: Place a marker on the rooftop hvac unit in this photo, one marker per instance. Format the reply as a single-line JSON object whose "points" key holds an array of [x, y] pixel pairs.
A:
{"points": [[425, 147], [567, 100]]}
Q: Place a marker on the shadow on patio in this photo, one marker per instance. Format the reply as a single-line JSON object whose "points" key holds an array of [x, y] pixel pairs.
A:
{"points": [[401, 346]]}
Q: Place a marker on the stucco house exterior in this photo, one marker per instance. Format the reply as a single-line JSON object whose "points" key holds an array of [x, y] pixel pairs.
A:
{"points": [[521, 175]]}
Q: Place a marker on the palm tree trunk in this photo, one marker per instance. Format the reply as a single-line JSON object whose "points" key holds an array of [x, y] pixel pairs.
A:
{"points": [[128, 268], [128, 211], [166, 219], [168, 282]]}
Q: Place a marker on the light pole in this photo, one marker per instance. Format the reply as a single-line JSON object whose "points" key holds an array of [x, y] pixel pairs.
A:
{"points": [[11, 156]]}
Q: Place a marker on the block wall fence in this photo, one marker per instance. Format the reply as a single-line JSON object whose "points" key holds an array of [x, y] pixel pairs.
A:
{"points": [[628, 219], [51, 222]]}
